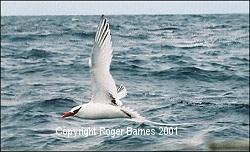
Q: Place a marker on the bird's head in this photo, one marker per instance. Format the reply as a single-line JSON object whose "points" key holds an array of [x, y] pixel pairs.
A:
{"points": [[72, 112]]}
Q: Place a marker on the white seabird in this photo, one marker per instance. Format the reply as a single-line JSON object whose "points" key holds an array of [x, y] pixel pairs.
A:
{"points": [[105, 102]]}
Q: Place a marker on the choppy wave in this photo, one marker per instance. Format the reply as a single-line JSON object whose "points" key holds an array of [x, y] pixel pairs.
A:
{"points": [[198, 74], [190, 69]]}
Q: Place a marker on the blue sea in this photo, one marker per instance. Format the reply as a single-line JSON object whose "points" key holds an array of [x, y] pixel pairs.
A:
{"points": [[189, 70]]}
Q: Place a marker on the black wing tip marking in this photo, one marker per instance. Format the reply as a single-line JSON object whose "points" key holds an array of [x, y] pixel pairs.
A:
{"points": [[121, 87], [103, 31]]}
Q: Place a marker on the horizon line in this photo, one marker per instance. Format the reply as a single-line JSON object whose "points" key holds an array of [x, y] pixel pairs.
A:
{"points": [[127, 14]]}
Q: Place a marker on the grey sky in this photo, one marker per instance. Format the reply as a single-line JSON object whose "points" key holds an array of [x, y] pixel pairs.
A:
{"points": [[122, 7]]}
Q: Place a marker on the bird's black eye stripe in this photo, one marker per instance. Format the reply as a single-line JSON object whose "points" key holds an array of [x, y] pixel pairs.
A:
{"points": [[75, 111]]}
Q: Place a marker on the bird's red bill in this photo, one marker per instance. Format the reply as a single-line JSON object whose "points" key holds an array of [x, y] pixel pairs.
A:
{"points": [[67, 114]]}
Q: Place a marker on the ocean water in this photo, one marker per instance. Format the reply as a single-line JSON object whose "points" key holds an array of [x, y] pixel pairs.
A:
{"points": [[191, 70]]}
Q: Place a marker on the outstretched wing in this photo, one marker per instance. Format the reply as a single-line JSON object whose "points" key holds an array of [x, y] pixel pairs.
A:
{"points": [[103, 85]]}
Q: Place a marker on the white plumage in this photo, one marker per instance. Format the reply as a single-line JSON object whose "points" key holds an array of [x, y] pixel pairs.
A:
{"points": [[105, 101]]}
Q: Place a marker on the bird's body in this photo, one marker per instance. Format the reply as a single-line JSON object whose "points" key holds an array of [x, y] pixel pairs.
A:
{"points": [[101, 111], [105, 102]]}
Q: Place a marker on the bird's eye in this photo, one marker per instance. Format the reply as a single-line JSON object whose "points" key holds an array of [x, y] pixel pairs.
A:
{"points": [[75, 111]]}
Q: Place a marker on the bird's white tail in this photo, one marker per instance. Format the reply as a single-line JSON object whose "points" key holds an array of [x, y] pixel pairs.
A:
{"points": [[132, 113], [136, 117]]}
